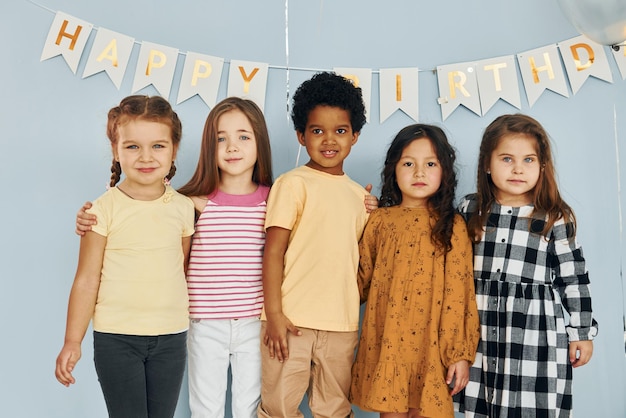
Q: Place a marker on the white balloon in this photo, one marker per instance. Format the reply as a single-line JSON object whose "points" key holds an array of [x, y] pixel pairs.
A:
{"points": [[603, 21]]}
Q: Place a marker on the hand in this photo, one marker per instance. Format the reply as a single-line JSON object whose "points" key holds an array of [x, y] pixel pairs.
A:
{"points": [[66, 361], [275, 338], [371, 202], [459, 373], [84, 220], [580, 352]]}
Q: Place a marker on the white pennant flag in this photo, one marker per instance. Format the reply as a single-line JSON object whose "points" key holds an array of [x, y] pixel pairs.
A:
{"points": [[155, 65], [67, 37], [582, 58], [110, 53], [399, 90], [362, 78], [248, 80], [458, 85], [541, 69], [201, 76], [497, 79]]}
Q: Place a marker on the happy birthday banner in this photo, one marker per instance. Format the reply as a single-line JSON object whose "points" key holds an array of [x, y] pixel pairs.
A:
{"points": [[475, 85]]}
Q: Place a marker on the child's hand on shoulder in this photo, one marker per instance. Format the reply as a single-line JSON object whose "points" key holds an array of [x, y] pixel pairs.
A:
{"points": [[84, 220], [580, 352], [275, 338], [371, 201], [458, 376]]}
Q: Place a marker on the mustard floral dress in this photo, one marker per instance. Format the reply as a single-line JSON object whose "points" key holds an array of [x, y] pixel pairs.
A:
{"points": [[420, 317]]}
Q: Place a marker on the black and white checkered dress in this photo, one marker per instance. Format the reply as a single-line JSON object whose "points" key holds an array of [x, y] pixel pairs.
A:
{"points": [[523, 285]]}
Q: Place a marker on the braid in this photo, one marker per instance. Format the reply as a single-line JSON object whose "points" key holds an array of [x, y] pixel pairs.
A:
{"points": [[172, 171], [116, 172]]}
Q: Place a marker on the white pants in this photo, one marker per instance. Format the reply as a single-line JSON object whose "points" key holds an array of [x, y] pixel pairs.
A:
{"points": [[213, 345]]}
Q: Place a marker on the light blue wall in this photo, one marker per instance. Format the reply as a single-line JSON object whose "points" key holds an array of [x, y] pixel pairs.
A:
{"points": [[54, 153]]}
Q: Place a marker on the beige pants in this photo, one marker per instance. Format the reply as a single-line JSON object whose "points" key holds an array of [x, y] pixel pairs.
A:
{"points": [[319, 364]]}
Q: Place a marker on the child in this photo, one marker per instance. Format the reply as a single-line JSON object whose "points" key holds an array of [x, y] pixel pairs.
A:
{"points": [[528, 268], [229, 189], [420, 328], [315, 217], [130, 276]]}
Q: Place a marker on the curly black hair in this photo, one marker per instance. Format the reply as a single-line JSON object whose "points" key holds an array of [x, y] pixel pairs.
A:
{"points": [[441, 204], [328, 89]]}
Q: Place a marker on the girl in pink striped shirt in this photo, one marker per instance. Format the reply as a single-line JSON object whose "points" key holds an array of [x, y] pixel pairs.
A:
{"points": [[229, 189]]}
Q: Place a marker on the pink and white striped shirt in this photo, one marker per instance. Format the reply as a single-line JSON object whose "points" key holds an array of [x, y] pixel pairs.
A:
{"points": [[224, 274]]}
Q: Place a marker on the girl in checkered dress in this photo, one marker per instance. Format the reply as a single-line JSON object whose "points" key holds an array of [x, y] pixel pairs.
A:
{"points": [[529, 269]]}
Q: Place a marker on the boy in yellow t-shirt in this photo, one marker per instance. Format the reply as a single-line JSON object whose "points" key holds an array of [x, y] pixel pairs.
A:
{"points": [[315, 217]]}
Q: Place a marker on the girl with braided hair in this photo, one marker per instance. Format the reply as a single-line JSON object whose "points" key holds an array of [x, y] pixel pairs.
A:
{"points": [[130, 277]]}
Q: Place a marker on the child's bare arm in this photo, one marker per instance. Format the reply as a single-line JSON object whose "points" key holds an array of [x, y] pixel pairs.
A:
{"points": [[580, 352], [81, 304], [84, 220], [278, 325]]}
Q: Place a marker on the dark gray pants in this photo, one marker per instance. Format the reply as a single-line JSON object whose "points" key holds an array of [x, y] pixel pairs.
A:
{"points": [[140, 376]]}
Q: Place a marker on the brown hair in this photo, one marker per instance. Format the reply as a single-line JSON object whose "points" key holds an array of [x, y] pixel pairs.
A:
{"points": [[155, 109], [547, 201], [206, 178]]}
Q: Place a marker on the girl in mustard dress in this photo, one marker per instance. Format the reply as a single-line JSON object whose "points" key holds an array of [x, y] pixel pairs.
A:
{"points": [[420, 330]]}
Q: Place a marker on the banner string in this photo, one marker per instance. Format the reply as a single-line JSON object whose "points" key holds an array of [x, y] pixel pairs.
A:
{"points": [[42, 6]]}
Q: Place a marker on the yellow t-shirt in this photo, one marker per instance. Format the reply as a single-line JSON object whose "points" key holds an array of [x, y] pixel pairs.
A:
{"points": [[142, 287], [326, 215]]}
